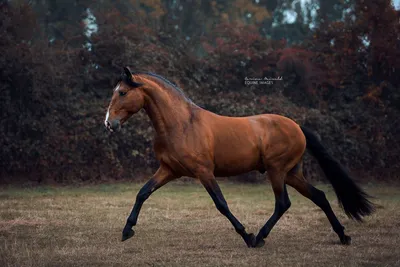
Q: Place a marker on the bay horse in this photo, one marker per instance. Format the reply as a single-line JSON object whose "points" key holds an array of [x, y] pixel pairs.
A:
{"points": [[191, 141]]}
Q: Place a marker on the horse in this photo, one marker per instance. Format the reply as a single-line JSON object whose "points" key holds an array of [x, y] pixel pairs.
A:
{"points": [[191, 141]]}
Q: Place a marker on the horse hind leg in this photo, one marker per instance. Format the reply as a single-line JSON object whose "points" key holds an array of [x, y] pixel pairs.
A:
{"points": [[296, 180]]}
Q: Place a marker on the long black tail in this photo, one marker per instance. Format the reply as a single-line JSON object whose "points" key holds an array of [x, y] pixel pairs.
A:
{"points": [[351, 197]]}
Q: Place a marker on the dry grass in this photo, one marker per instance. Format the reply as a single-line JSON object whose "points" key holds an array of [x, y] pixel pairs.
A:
{"points": [[179, 226]]}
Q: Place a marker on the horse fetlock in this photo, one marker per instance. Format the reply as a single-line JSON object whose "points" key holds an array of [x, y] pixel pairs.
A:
{"points": [[339, 230], [241, 230]]}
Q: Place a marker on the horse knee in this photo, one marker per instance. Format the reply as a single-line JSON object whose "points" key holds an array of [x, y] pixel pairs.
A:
{"points": [[286, 205], [221, 207], [142, 195]]}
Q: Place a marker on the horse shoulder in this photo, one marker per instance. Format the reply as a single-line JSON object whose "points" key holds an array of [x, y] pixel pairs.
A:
{"points": [[184, 153]]}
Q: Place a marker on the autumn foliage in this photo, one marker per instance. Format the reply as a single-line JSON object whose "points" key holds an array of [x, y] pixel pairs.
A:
{"points": [[342, 81]]}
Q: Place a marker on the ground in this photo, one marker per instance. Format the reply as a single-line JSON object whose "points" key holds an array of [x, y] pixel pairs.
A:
{"points": [[179, 226]]}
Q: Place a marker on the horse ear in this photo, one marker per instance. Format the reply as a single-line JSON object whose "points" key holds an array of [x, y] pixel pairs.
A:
{"points": [[128, 74]]}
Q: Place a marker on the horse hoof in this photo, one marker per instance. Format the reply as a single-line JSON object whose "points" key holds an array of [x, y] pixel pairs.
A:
{"points": [[345, 240], [249, 239], [259, 243], [127, 234]]}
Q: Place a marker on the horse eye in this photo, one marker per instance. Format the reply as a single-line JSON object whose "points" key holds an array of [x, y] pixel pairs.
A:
{"points": [[121, 93]]}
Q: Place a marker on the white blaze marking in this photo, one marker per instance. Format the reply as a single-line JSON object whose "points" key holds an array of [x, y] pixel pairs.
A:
{"points": [[107, 115], [108, 110]]}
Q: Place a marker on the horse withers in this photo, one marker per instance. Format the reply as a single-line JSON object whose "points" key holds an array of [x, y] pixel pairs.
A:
{"points": [[191, 141]]}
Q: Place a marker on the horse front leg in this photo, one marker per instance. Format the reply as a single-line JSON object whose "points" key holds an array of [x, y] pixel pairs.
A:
{"points": [[160, 178], [213, 189], [282, 204]]}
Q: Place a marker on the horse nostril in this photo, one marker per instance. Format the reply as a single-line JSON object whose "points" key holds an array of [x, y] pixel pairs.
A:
{"points": [[113, 125]]}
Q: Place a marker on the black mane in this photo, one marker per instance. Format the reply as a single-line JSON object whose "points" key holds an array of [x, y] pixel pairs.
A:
{"points": [[129, 81], [165, 80]]}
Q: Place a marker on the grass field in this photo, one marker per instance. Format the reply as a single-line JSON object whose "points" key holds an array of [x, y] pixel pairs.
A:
{"points": [[179, 226]]}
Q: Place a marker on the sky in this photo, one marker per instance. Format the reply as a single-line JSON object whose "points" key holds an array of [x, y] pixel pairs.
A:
{"points": [[290, 15], [396, 4]]}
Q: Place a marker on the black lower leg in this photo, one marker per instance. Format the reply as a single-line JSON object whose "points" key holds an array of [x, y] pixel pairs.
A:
{"points": [[141, 197], [216, 194], [282, 204], [319, 198]]}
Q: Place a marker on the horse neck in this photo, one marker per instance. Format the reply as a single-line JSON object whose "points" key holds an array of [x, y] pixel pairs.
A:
{"points": [[167, 110]]}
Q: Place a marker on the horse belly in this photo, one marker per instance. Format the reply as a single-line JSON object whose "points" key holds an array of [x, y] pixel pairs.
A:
{"points": [[236, 160]]}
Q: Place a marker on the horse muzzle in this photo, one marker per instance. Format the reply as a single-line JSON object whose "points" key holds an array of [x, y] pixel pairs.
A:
{"points": [[113, 126]]}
